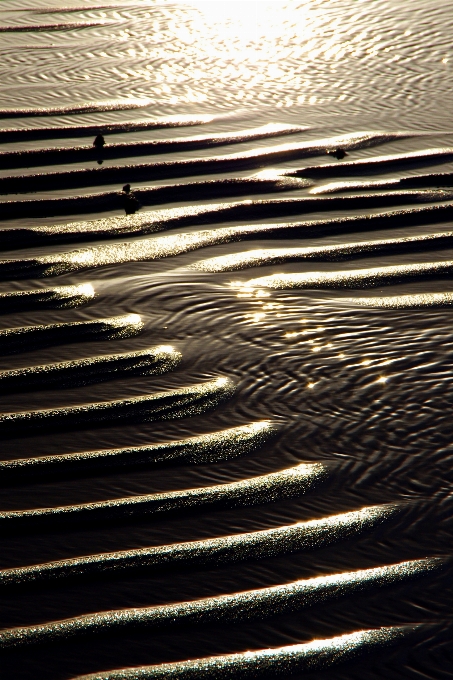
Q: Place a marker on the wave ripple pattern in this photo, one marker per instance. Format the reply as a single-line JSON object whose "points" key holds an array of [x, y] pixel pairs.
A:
{"points": [[225, 415]]}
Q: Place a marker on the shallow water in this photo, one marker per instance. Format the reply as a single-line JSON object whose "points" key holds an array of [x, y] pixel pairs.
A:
{"points": [[190, 366]]}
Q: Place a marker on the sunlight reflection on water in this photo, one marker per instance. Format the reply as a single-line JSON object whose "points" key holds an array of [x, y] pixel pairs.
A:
{"points": [[221, 54], [358, 381]]}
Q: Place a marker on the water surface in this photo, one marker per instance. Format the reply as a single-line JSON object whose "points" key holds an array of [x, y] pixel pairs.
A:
{"points": [[274, 366]]}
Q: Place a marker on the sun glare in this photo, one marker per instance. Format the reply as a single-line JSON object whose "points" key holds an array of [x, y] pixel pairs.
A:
{"points": [[247, 20], [239, 10]]}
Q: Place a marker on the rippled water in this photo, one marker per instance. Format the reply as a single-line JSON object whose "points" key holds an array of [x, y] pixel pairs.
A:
{"points": [[227, 445]]}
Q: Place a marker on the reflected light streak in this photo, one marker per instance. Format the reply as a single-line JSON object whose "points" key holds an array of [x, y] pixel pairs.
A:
{"points": [[256, 318]]}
